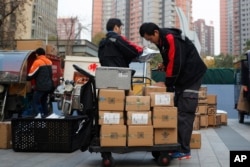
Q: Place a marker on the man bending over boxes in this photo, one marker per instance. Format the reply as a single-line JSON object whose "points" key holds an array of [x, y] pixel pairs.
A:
{"points": [[184, 71]]}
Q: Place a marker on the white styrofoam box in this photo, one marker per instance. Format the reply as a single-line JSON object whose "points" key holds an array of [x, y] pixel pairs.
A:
{"points": [[113, 77]]}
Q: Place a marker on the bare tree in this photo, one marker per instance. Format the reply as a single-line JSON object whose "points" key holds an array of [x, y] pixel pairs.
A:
{"points": [[97, 38], [72, 29], [12, 20]]}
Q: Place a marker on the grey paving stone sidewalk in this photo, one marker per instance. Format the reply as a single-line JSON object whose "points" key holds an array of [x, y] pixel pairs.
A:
{"points": [[214, 152]]}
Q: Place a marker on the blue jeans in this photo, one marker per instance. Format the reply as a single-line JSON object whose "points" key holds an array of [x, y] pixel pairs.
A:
{"points": [[40, 102]]}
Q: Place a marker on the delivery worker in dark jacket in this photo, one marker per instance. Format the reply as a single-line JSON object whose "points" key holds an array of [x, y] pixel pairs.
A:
{"points": [[184, 71], [245, 77], [115, 50], [245, 87], [41, 72]]}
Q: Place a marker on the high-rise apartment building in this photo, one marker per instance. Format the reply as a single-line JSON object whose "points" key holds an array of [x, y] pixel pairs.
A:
{"points": [[223, 27], [206, 37], [210, 40], [134, 12], [102, 11], [68, 28], [186, 7], [41, 19], [234, 26]]}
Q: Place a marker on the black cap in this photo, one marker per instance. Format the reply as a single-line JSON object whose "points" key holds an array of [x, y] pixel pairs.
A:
{"points": [[40, 51]]}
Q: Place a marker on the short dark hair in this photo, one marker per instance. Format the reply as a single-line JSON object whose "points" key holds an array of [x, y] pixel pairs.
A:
{"points": [[148, 28], [112, 22], [40, 51]]}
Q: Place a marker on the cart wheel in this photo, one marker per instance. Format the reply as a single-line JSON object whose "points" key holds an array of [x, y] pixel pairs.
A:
{"points": [[108, 162], [163, 160], [156, 154], [107, 159]]}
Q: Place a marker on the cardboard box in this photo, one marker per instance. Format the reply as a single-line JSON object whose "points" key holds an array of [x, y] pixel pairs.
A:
{"points": [[202, 101], [201, 109], [195, 142], [162, 99], [5, 135], [242, 103], [214, 120], [111, 117], [164, 117], [211, 109], [140, 135], [211, 99], [51, 49], [17, 89], [137, 103], [29, 44], [202, 92], [223, 116], [204, 121], [111, 99], [149, 89], [139, 118], [165, 136], [196, 124], [113, 135]]}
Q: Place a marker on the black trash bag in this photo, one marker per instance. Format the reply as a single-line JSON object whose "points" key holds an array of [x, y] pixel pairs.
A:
{"points": [[86, 134], [87, 99]]}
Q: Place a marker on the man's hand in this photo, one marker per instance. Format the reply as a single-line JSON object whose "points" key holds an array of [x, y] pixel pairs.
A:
{"points": [[245, 89], [160, 67]]}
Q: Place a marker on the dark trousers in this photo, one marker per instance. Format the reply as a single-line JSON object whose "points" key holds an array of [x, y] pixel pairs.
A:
{"points": [[186, 102], [40, 102]]}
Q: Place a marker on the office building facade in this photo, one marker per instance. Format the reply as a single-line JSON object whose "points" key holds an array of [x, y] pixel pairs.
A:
{"points": [[41, 19]]}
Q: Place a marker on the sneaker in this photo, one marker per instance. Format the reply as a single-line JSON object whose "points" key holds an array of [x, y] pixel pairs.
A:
{"points": [[180, 155], [38, 116], [53, 116]]}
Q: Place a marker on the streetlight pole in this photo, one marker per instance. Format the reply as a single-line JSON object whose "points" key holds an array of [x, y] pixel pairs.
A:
{"points": [[46, 30], [46, 38]]}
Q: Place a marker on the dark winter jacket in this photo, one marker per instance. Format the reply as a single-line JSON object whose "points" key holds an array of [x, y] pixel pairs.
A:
{"points": [[183, 64], [116, 51], [244, 73], [245, 78], [41, 71]]}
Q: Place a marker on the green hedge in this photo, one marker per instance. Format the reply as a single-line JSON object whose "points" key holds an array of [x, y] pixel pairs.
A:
{"points": [[212, 76]]}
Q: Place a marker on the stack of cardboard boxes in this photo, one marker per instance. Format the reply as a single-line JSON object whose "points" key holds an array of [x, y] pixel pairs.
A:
{"points": [[206, 116], [206, 112], [148, 119], [134, 120]]}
